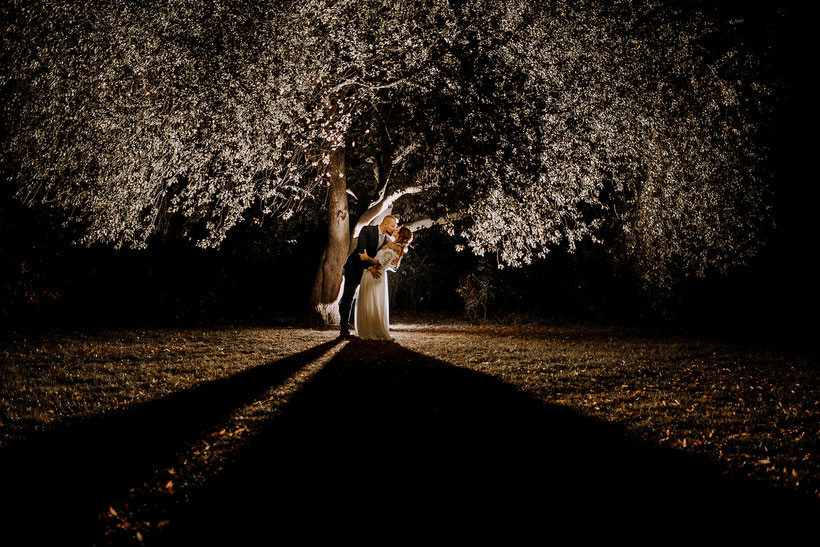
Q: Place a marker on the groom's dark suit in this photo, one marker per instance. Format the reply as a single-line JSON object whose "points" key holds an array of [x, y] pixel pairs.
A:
{"points": [[368, 240]]}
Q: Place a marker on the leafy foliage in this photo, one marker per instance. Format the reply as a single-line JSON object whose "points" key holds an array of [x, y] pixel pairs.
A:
{"points": [[536, 124]]}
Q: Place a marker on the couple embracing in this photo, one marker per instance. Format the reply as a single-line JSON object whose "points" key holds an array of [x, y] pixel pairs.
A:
{"points": [[366, 270]]}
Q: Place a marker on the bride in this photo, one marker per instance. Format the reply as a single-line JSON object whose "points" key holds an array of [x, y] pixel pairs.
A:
{"points": [[373, 307]]}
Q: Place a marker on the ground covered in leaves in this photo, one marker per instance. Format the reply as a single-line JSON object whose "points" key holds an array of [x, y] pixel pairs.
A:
{"points": [[151, 436]]}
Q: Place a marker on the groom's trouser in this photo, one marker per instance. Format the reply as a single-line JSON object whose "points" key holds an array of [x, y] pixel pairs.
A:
{"points": [[351, 281]]}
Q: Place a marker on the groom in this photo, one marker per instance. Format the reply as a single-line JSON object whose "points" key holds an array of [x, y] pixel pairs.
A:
{"points": [[371, 239]]}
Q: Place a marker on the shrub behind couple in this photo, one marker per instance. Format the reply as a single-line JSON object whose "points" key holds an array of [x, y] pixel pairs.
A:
{"points": [[366, 269]]}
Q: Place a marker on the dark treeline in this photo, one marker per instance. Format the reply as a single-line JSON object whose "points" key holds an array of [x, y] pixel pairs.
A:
{"points": [[49, 282]]}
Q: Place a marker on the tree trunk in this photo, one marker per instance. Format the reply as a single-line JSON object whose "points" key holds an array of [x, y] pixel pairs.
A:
{"points": [[324, 297]]}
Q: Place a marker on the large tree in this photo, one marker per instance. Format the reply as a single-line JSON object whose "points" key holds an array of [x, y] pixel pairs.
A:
{"points": [[521, 124]]}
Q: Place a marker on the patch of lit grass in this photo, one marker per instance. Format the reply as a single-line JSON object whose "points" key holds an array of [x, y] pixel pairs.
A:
{"points": [[752, 407], [51, 377]]}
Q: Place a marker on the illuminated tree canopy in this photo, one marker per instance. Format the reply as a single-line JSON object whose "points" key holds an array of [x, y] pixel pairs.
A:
{"points": [[523, 125]]}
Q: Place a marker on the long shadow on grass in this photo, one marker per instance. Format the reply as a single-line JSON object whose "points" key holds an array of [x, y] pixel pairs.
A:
{"points": [[61, 478], [387, 440]]}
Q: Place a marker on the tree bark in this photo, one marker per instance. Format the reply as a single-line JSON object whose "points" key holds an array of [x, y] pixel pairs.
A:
{"points": [[324, 297]]}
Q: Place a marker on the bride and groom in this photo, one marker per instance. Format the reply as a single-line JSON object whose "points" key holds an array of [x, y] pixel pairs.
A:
{"points": [[366, 270]]}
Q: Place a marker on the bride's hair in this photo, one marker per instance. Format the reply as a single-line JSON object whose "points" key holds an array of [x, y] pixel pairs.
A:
{"points": [[402, 240]]}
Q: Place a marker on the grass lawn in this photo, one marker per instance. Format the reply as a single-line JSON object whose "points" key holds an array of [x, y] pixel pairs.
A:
{"points": [[147, 436]]}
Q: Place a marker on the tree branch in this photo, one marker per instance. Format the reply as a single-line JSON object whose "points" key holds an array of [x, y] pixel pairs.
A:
{"points": [[424, 223], [381, 206], [407, 150], [377, 171]]}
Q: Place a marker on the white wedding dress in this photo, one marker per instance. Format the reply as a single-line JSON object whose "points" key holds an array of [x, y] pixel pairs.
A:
{"points": [[373, 306]]}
